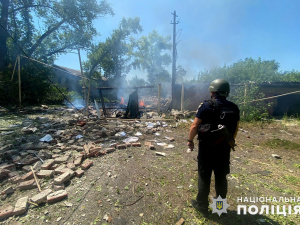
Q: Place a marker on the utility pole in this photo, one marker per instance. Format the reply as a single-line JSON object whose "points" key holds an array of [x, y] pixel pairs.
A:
{"points": [[174, 59]]}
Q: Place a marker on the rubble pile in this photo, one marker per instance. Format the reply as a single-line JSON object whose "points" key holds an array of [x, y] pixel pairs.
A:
{"points": [[47, 153]]}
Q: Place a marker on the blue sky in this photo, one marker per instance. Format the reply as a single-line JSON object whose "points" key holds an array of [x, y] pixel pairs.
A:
{"points": [[213, 33]]}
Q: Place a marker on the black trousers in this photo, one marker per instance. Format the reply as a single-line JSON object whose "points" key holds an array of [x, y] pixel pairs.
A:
{"points": [[212, 159]]}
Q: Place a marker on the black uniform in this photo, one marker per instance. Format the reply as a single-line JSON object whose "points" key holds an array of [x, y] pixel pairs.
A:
{"points": [[214, 155]]}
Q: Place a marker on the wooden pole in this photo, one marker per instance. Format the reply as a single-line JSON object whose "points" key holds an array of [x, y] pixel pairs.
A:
{"points": [[88, 97], [102, 102], [83, 79], [182, 97], [245, 95], [174, 59], [36, 180], [14, 69], [97, 109], [159, 93], [19, 75]]}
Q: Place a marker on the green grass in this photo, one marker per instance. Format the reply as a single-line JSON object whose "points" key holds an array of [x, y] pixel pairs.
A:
{"points": [[279, 143], [297, 166], [292, 179]]}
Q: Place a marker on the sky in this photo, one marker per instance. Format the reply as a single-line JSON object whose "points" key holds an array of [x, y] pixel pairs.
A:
{"points": [[212, 33]]}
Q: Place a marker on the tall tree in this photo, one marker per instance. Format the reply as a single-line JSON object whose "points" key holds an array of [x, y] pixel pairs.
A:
{"points": [[150, 53], [291, 76], [46, 28], [110, 58], [244, 71]]}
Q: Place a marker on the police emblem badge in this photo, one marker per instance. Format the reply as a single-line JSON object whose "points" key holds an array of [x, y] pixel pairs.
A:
{"points": [[219, 205]]}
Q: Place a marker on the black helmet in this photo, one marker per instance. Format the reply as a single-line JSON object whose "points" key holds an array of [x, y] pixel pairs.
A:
{"points": [[221, 86]]}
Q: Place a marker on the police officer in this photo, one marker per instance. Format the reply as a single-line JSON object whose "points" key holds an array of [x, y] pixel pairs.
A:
{"points": [[213, 155]]}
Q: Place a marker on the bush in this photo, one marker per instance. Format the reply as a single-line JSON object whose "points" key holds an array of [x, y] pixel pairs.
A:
{"points": [[250, 111]]}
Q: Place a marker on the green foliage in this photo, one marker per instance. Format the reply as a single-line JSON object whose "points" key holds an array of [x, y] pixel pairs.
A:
{"points": [[243, 96], [292, 179], [73, 95], [54, 97], [292, 76], [150, 54], [297, 165], [257, 71], [61, 26], [43, 29], [240, 73], [110, 59]]}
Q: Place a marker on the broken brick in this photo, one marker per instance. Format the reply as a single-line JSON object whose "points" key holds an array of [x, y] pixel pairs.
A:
{"points": [[45, 173], [54, 166], [147, 143], [77, 160], [47, 164], [88, 147], [95, 149], [86, 164], [26, 185], [21, 206], [8, 190], [61, 169], [109, 150], [31, 160], [4, 172], [56, 196], [71, 166], [136, 144], [121, 146], [63, 178], [79, 172], [15, 179], [61, 159], [57, 187], [27, 176], [6, 212], [7, 167], [41, 197], [92, 153]]}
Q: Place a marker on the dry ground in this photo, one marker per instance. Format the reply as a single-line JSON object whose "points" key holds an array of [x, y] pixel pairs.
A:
{"points": [[135, 186]]}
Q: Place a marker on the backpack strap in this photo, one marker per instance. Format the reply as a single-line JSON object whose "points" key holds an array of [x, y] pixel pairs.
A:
{"points": [[213, 103]]}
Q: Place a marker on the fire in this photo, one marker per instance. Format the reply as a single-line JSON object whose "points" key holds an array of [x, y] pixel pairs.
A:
{"points": [[142, 103], [122, 101]]}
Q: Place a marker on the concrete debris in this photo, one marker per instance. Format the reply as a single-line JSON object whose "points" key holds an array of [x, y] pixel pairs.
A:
{"points": [[169, 146], [131, 139], [47, 138], [160, 153], [21, 206]]}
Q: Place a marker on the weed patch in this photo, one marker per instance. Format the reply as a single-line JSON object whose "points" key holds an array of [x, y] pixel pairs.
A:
{"points": [[279, 143]]}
